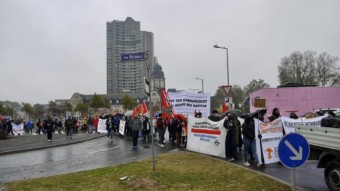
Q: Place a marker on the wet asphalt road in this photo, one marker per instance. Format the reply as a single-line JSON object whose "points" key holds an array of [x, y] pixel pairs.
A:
{"points": [[72, 158], [99, 153]]}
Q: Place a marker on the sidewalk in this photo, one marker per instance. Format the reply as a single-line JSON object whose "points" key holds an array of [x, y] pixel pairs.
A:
{"points": [[23, 143]]}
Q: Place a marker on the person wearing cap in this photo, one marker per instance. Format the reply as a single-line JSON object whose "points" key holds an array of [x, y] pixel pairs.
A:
{"points": [[136, 125]]}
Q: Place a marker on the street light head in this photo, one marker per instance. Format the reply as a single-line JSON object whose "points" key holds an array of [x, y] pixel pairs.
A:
{"points": [[216, 46]]}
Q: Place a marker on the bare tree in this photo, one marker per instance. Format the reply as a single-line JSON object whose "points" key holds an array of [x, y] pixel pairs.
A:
{"points": [[327, 70], [309, 68], [298, 68]]}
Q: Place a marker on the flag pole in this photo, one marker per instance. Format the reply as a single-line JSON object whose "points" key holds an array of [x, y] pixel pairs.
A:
{"points": [[150, 114]]}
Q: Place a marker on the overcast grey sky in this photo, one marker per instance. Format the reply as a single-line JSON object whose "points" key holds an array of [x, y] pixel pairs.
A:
{"points": [[50, 49]]}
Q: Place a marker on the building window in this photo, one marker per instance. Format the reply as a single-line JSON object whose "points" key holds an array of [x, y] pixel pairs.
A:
{"points": [[117, 101]]}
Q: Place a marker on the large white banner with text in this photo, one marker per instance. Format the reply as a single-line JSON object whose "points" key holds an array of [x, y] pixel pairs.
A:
{"points": [[290, 124], [205, 136], [187, 103]]}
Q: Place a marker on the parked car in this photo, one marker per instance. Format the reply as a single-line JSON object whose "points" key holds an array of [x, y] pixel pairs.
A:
{"points": [[337, 114]]}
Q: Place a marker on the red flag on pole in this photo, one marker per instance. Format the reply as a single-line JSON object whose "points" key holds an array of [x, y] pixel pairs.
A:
{"points": [[224, 107]]}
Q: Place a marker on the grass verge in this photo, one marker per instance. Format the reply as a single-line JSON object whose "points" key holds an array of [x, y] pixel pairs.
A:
{"points": [[174, 171]]}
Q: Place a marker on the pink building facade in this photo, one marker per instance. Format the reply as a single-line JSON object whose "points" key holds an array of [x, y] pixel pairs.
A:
{"points": [[298, 99]]}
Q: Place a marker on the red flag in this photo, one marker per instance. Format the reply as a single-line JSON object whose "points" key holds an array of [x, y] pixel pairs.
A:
{"points": [[1, 118], [165, 103], [144, 108], [134, 113], [140, 109], [224, 107]]}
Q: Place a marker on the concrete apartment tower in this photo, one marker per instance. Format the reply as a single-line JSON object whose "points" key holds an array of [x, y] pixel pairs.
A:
{"points": [[125, 37]]}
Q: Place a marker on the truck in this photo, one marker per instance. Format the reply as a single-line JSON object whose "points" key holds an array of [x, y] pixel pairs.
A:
{"points": [[325, 147]]}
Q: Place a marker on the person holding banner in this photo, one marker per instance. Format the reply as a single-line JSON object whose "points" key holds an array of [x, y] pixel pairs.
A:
{"points": [[249, 140], [214, 117], [275, 114], [231, 124]]}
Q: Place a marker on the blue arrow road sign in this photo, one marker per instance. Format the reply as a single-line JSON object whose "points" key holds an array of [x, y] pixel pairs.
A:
{"points": [[293, 150]]}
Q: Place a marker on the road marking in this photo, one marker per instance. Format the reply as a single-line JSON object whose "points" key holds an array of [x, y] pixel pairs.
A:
{"points": [[298, 155], [104, 150]]}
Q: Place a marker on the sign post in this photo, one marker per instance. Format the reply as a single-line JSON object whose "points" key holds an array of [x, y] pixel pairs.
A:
{"points": [[293, 152]]}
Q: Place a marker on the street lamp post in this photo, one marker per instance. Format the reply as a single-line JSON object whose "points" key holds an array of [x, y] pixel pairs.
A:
{"points": [[202, 83], [216, 46]]}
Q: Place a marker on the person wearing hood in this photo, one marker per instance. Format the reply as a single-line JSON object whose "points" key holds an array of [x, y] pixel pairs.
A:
{"points": [[231, 123], [249, 140]]}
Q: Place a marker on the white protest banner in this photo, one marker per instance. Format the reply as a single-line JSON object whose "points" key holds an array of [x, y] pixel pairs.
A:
{"points": [[18, 129], [187, 103], [122, 127], [271, 133], [102, 126], [205, 136], [290, 124], [313, 122]]}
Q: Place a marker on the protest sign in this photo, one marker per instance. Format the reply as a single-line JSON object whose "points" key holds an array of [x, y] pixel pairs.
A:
{"points": [[271, 133], [122, 127], [102, 126], [187, 103], [205, 136], [18, 128]]}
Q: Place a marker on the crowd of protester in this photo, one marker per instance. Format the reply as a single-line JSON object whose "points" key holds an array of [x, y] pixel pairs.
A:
{"points": [[139, 128]]}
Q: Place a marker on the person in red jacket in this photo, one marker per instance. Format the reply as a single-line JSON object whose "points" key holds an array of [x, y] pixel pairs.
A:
{"points": [[95, 122]]}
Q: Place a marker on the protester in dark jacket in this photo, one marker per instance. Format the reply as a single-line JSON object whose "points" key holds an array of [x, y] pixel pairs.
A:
{"points": [[249, 140], [178, 132], [275, 114], [231, 124], [160, 127], [69, 127], [214, 117], [48, 126], [136, 125], [146, 129], [39, 126]]}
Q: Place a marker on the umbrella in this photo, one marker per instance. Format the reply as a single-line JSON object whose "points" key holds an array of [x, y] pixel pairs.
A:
{"points": [[245, 115], [119, 115], [180, 116], [237, 112]]}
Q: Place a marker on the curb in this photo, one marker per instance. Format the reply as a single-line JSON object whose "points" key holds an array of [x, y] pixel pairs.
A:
{"points": [[48, 146]]}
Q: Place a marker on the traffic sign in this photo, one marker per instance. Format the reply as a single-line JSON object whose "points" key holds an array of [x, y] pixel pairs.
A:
{"points": [[293, 150], [226, 90], [228, 99]]}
